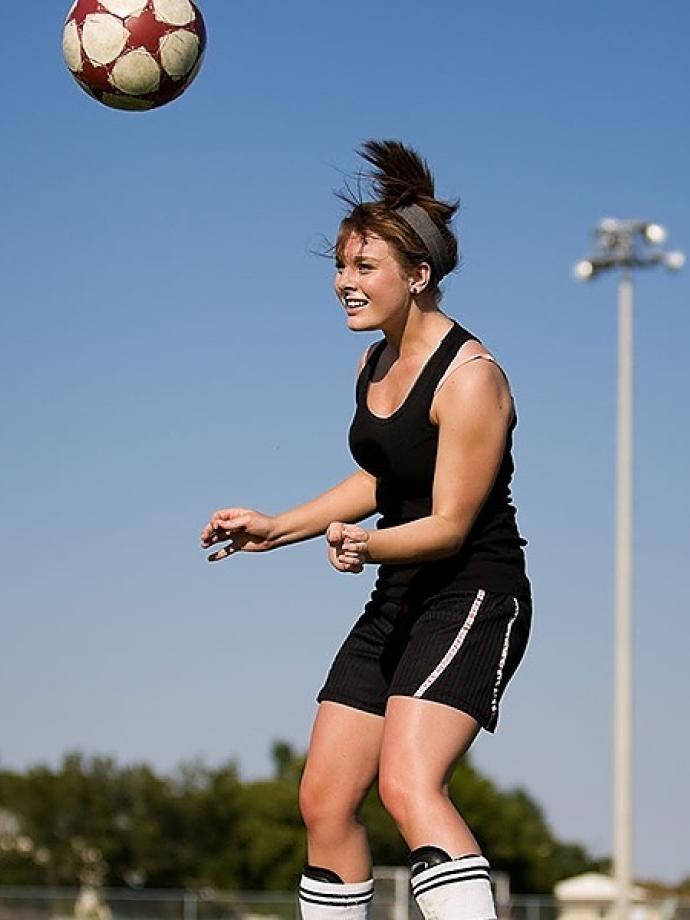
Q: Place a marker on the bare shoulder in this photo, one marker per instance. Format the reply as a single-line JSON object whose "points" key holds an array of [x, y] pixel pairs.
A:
{"points": [[474, 385]]}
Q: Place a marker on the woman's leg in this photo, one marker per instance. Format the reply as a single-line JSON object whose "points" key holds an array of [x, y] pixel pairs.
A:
{"points": [[422, 741], [342, 763]]}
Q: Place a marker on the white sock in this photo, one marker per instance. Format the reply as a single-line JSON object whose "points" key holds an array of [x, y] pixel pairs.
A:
{"points": [[459, 889], [334, 900]]}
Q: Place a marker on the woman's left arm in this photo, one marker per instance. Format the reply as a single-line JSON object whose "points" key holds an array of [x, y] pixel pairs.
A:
{"points": [[474, 410]]}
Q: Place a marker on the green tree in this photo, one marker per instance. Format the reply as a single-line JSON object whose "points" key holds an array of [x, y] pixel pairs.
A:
{"points": [[206, 827]]}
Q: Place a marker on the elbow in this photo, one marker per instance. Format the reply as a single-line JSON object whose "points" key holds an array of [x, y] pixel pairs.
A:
{"points": [[452, 549], [453, 537]]}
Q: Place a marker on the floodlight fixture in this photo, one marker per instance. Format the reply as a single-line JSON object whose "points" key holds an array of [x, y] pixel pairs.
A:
{"points": [[655, 233], [674, 260], [608, 224], [627, 244], [583, 270]]}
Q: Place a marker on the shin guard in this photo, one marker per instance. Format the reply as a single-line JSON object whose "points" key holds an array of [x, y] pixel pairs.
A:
{"points": [[324, 896], [451, 889]]}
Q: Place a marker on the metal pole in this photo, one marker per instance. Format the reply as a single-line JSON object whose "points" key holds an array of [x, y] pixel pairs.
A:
{"points": [[401, 910], [622, 716], [190, 905]]}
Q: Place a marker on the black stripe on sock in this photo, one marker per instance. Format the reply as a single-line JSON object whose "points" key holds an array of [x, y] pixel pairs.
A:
{"points": [[336, 895], [448, 868], [448, 879], [452, 877], [352, 900], [445, 869]]}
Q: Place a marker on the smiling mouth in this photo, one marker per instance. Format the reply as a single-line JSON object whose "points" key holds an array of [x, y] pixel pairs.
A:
{"points": [[352, 304]]}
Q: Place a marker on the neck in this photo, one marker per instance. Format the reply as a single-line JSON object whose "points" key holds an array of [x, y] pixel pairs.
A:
{"points": [[418, 332]]}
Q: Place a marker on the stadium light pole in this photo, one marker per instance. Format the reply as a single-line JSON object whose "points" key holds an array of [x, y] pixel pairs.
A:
{"points": [[624, 245]]}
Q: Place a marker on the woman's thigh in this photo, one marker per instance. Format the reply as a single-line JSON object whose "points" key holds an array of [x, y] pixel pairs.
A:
{"points": [[343, 759], [421, 743]]}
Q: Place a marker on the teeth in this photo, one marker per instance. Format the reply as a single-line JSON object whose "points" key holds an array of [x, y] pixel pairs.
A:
{"points": [[355, 303]]}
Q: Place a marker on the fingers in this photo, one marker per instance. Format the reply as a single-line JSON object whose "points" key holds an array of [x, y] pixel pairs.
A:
{"points": [[342, 565], [222, 553], [232, 522], [344, 554], [336, 540], [334, 551], [208, 534], [223, 522], [350, 564], [354, 532], [334, 533], [354, 546], [211, 535], [346, 534]]}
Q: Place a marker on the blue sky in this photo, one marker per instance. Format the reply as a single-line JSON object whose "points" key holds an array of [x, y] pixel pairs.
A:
{"points": [[170, 345]]}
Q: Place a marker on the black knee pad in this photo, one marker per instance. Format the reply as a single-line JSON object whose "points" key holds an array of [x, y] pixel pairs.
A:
{"points": [[318, 874], [425, 857]]}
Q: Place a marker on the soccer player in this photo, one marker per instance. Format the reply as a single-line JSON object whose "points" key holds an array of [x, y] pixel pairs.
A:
{"points": [[426, 664]]}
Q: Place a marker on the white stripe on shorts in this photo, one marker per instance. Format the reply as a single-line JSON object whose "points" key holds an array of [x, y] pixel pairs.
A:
{"points": [[502, 660], [455, 646]]}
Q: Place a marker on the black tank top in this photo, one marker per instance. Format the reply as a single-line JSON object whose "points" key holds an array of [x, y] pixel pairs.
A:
{"points": [[400, 451]]}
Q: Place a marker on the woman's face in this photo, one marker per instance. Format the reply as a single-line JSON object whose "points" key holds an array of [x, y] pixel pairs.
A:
{"points": [[371, 284]]}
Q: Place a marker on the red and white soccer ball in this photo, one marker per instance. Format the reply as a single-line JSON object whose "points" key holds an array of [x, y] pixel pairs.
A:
{"points": [[134, 54]]}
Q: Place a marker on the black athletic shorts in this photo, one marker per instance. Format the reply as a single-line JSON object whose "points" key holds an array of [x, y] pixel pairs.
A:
{"points": [[459, 648]]}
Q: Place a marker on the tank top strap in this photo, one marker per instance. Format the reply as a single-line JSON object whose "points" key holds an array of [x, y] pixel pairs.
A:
{"points": [[439, 363], [364, 377], [424, 388]]}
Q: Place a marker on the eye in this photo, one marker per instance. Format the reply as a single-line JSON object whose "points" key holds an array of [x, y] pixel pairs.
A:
{"points": [[365, 266]]}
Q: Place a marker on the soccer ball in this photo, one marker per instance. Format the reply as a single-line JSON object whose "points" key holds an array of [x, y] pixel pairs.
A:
{"points": [[134, 54]]}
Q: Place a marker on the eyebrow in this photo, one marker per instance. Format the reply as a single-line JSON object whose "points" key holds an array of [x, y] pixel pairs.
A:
{"points": [[358, 259]]}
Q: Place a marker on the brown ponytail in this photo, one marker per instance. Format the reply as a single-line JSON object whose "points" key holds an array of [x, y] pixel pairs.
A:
{"points": [[400, 177]]}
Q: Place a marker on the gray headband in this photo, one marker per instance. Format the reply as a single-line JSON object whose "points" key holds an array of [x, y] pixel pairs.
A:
{"points": [[416, 217]]}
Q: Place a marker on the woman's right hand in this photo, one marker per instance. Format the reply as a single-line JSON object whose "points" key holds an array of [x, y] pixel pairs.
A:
{"points": [[244, 530], [346, 547]]}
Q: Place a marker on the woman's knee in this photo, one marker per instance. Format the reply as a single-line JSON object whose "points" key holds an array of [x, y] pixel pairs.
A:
{"points": [[404, 795], [321, 801], [396, 793]]}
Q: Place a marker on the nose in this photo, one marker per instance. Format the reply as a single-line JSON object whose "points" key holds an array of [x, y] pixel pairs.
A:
{"points": [[344, 280]]}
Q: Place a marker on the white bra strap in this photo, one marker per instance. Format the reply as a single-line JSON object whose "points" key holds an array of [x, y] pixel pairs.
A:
{"points": [[456, 365]]}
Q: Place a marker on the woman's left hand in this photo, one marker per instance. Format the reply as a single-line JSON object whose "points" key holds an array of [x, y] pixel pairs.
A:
{"points": [[347, 547]]}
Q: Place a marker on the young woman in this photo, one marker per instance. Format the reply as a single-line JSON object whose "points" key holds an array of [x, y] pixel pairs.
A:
{"points": [[426, 664]]}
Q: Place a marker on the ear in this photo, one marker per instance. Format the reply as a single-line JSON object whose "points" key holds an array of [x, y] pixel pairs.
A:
{"points": [[419, 278]]}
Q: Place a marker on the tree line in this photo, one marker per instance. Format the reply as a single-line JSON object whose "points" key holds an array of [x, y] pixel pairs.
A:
{"points": [[94, 821]]}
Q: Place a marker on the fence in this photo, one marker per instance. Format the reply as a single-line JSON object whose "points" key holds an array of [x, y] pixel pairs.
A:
{"points": [[20, 903]]}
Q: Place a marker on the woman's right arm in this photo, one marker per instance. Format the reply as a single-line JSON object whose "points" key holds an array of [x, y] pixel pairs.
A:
{"points": [[355, 496], [351, 500]]}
